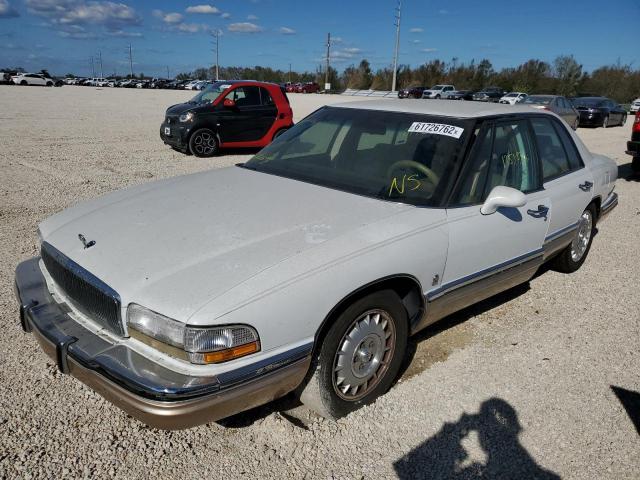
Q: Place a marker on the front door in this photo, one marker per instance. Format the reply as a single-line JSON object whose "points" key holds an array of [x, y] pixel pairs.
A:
{"points": [[489, 253], [245, 121]]}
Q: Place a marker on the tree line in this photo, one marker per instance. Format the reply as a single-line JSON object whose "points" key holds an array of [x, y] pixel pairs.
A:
{"points": [[563, 76]]}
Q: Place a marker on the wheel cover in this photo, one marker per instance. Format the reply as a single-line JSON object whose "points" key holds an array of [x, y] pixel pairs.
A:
{"points": [[364, 354], [204, 143], [583, 236]]}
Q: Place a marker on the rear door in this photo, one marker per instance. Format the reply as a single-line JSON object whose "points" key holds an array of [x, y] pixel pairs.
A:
{"points": [[565, 178], [488, 253]]}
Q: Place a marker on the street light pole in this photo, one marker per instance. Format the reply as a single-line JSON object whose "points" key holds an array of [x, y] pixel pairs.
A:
{"points": [[130, 62], [326, 71], [216, 35], [395, 56]]}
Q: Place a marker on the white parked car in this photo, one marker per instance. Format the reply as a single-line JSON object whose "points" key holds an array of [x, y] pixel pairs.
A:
{"points": [[635, 106], [513, 98], [33, 79], [193, 298], [438, 91], [192, 85]]}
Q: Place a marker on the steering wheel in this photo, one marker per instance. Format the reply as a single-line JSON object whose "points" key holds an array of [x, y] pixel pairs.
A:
{"points": [[430, 174]]}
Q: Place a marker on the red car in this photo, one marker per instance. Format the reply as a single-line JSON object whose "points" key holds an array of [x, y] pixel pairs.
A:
{"points": [[309, 87], [235, 114], [291, 87], [633, 146]]}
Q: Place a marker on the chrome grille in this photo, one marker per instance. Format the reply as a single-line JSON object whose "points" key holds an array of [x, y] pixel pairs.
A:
{"points": [[88, 293]]}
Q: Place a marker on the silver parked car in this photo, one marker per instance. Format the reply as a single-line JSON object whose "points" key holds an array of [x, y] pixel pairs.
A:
{"points": [[308, 267], [557, 104]]}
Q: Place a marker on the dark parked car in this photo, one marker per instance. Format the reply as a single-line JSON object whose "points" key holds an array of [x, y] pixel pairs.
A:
{"points": [[411, 92], [557, 104], [489, 94], [460, 95], [236, 114], [599, 112], [633, 146]]}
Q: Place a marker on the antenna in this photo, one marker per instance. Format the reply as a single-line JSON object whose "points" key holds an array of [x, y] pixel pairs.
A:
{"points": [[216, 43], [326, 72], [130, 62], [395, 56]]}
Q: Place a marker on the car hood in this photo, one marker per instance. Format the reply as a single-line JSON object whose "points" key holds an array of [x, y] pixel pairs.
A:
{"points": [[176, 244]]}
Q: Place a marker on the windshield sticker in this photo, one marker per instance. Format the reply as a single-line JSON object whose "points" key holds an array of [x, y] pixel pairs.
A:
{"points": [[437, 128]]}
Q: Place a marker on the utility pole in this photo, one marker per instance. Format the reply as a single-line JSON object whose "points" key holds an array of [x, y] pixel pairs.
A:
{"points": [[100, 56], [326, 71], [167, 72], [130, 63], [289, 73], [395, 56], [216, 43], [93, 71]]}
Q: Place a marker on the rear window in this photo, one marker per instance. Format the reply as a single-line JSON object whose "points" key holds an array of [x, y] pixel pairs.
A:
{"points": [[538, 100]]}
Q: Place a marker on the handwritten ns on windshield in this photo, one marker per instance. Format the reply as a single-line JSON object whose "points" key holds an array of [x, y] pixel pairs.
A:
{"points": [[407, 182]]}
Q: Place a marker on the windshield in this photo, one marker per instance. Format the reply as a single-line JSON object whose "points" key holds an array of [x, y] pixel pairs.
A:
{"points": [[537, 100], [587, 102], [210, 93], [437, 87], [408, 158], [509, 95]]}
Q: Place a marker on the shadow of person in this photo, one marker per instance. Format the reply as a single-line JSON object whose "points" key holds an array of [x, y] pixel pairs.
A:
{"points": [[443, 456]]}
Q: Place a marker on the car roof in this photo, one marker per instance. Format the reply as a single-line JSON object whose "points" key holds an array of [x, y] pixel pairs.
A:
{"points": [[444, 108]]}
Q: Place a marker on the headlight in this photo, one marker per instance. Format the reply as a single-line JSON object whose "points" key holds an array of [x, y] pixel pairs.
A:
{"points": [[201, 345], [186, 117]]}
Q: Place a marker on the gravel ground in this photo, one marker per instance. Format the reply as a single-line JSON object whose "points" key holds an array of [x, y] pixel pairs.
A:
{"points": [[519, 386]]}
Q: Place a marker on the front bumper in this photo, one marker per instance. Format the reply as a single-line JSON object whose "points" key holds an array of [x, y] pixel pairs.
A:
{"points": [[148, 391], [178, 136]]}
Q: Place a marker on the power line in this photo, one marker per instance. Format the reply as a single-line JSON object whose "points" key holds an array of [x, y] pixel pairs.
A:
{"points": [[395, 56]]}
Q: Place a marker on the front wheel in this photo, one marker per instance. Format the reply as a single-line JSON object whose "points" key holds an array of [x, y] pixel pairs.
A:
{"points": [[23, 83], [359, 357], [203, 143], [574, 255], [49, 84], [438, 97]]}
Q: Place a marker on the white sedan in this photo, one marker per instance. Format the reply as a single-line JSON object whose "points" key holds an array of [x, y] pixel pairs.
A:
{"points": [[307, 268], [513, 98], [33, 79]]}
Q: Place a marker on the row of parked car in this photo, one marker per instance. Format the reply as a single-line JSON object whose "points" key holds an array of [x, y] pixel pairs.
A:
{"points": [[576, 111]]}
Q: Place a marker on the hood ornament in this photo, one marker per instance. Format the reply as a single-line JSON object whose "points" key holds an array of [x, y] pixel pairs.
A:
{"points": [[86, 244]]}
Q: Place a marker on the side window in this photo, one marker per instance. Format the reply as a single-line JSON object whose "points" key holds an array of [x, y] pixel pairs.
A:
{"points": [[550, 150], [266, 97], [575, 162], [245, 96], [503, 156]]}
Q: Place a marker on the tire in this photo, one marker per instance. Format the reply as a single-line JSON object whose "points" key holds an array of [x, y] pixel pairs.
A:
{"points": [[203, 143], [23, 83], [278, 133], [377, 327], [605, 122], [623, 121], [574, 255], [438, 97], [49, 84], [635, 165]]}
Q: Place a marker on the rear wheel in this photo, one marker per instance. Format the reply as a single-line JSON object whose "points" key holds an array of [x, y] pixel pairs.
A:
{"points": [[23, 82], [49, 84], [359, 357], [574, 255], [203, 143]]}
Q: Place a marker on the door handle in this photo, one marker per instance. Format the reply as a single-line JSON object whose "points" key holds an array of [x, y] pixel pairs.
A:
{"points": [[586, 186], [541, 212]]}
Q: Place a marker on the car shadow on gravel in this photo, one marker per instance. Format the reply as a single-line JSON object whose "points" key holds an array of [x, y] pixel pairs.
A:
{"points": [[626, 171], [500, 454]]}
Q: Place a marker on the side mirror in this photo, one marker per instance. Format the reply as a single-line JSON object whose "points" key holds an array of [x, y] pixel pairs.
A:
{"points": [[502, 196], [228, 103]]}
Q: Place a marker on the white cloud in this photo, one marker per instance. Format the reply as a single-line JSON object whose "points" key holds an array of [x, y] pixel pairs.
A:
{"points": [[191, 27], [415, 42], [336, 40], [352, 50], [286, 31], [443, 12], [429, 50], [252, 17], [204, 9], [7, 11], [124, 33], [226, 15], [345, 54], [244, 27], [416, 30], [70, 18], [169, 18]]}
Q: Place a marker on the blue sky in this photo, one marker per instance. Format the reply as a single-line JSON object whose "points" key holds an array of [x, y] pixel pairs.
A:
{"points": [[61, 35]]}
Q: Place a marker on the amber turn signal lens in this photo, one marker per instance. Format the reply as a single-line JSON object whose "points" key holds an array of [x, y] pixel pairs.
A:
{"points": [[230, 353]]}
